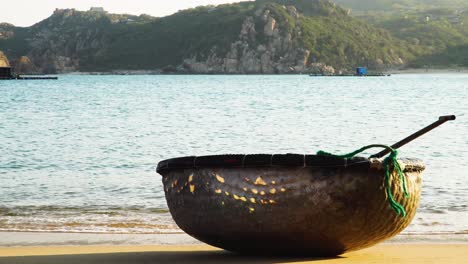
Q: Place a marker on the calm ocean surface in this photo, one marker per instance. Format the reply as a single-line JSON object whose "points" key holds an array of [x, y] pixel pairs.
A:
{"points": [[79, 154]]}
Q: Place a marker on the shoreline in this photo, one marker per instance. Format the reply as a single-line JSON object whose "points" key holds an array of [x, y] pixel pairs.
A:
{"points": [[158, 72], [382, 253], [428, 71], [28, 239], [21, 239]]}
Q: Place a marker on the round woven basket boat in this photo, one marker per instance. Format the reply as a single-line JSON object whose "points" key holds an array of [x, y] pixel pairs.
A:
{"points": [[287, 204]]}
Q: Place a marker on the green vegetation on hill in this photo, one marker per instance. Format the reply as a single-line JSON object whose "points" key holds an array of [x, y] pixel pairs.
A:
{"points": [[167, 41], [435, 33], [327, 31], [435, 30], [351, 43], [263, 36], [309, 7], [13, 40], [400, 5], [452, 56]]}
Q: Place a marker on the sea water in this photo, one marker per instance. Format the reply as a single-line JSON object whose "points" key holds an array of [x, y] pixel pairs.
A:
{"points": [[79, 154]]}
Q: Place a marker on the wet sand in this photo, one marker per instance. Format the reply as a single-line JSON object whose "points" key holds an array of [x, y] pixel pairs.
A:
{"points": [[385, 253], [39, 239], [93, 248], [27, 239]]}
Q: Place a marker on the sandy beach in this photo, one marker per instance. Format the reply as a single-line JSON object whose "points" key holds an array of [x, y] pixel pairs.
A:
{"points": [[386, 253], [51, 248]]}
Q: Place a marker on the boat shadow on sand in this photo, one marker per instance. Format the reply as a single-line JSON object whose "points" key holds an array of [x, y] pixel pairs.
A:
{"points": [[214, 256]]}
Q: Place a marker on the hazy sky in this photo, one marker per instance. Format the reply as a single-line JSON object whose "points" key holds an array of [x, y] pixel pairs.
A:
{"points": [[28, 12]]}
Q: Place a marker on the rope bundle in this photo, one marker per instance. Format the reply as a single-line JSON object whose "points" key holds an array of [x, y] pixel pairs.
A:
{"points": [[391, 165]]}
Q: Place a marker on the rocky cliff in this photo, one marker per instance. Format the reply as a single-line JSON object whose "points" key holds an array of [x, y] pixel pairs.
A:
{"points": [[268, 48], [4, 60], [24, 65], [265, 36], [279, 39]]}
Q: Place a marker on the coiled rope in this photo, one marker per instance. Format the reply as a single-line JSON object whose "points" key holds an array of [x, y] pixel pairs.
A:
{"points": [[391, 165]]}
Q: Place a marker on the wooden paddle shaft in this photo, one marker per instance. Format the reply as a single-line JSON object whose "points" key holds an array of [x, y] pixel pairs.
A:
{"points": [[412, 137]]}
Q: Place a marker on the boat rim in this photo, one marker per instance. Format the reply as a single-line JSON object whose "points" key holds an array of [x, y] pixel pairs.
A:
{"points": [[278, 160]]}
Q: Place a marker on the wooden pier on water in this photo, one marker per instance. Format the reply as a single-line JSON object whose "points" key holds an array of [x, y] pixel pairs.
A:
{"points": [[6, 74], [360, 72], [19, 77], [36, 78], [351, 75]]}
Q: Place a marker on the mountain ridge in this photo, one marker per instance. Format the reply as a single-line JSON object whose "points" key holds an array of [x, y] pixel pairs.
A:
{"points": [[264, 36]]}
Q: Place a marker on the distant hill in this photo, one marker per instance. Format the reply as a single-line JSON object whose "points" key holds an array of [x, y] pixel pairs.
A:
{"points": [[437, 29], [67, 40], [399, 5], [264, 36], [248, 37]]}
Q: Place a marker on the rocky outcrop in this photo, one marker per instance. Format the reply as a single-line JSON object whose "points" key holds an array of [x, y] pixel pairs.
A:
{"points": [[58, 42], [269, 28], [292, 11], [24, 66], [321, 68], [4, 60], [62, 54], [269, 49], [6, 31]]}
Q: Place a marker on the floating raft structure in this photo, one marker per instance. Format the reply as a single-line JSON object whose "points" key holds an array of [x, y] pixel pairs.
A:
{"points": [[29, 78], [6, 74], [352, 75], [360, 72], [37, 78], [314, 205]]}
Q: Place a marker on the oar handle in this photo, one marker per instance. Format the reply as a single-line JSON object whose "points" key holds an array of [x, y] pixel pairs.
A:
{"points": [[447, 118], [412, 137]]}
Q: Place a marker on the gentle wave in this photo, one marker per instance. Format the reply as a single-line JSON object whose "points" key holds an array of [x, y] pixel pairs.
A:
{"points": [[141, 220], [134, 220]]}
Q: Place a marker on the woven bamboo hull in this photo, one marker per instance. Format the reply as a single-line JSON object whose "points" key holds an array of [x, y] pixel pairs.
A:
{"points": [[312, 211]]}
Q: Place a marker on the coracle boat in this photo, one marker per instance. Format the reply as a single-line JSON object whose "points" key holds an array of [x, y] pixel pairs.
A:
{"points": [[300, 204], [318, 205]]}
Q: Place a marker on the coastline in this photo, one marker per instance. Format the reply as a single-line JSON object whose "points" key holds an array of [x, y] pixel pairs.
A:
{"points": [[382, 253], [429, 71], [160, 72], [40, 239], [27, 239]]}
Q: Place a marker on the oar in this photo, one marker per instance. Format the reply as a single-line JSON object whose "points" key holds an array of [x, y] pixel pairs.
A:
{"points": [[412, 137]]}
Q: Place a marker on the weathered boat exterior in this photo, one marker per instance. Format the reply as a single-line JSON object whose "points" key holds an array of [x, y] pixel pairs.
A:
{"points": [[313, 210]]}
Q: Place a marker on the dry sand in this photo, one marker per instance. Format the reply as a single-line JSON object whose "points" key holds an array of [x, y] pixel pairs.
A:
{"points": [[386, 253]]}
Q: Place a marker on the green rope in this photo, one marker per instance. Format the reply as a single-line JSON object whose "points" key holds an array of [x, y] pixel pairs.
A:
{"points": [[389, 163]]}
